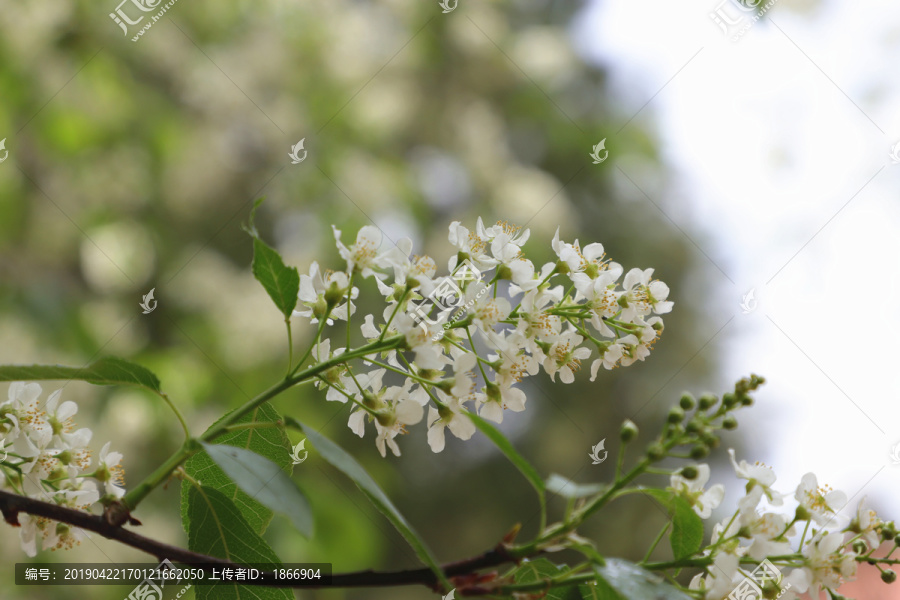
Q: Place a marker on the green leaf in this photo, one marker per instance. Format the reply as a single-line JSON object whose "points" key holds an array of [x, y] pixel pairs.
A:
{"points": [[541, 568], [687, 527], [270, 442], [281, 282], [264, 481], [218, 529], [507, 448], [106, 371], [623, 580], [345, 463], [599, 590], [567, 488]]}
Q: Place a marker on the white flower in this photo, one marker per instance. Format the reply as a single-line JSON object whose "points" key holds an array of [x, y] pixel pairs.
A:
{"points": [[486, 312], [564, 357], [641, 295], [535, 320], [513, 233], [821, 502], [702, 501], [312, 294], [721, 578], [497, 398], [463, 379], [824, 564], [109, 472], [420, 338], [866, 523], [761, 479], [609, 359], [363, 257], [394, 421], [766, 531], [453, 418], [601, 298], [470, 244]]}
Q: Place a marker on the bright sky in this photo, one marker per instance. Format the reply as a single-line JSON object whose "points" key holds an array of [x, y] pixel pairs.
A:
{"points": [[778, 147]]}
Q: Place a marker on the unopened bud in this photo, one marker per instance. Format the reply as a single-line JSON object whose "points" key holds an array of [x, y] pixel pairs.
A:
{"points": [[707, 401], [628, 431], [690, 472], [699, 451]]}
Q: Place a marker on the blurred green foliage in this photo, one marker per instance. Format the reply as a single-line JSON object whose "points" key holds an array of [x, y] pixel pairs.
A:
{"points": [[132, 166]]}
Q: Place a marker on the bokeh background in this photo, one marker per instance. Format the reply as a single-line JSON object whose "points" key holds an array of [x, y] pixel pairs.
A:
{"points": [[759, 164]]}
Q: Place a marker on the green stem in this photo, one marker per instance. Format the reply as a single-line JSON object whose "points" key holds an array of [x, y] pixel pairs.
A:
{"points": [[393, 314], [187, 432], [656, 542], [350, 306], [287, 323], [544, 584], [322, 323], [191, 447]]}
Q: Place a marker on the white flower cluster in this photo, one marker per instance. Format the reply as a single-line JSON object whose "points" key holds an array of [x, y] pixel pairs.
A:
{"points": [[44, 457], [505, 320], [825, 555]]}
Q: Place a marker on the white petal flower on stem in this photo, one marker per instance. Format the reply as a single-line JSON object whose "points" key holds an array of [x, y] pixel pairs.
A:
{"points": [[513, 233], [825, 564], [363, 256], [641, 296], [867, 524], [760, 476], [311, 295], [767, 533], [565, 356], [393, 422], [609, 359], [535, 321], [110, 472], [497, 398], [59, 418], [453, 419], [471, 245], [701, 500], [822, 503]]}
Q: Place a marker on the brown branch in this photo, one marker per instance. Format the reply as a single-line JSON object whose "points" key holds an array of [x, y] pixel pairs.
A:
{"points": [[12, 504]]}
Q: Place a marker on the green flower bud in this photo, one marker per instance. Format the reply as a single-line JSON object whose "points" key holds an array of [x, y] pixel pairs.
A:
{"points": [[888, 576], [859, 547], [628, 431], [656, 451], [707, 401], [689, 472], [729, 400], [729, 423], [676, 415], [699, 451], [687, 401]]}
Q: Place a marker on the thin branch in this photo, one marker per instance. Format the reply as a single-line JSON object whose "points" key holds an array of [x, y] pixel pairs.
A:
{"points": [[12, 504]]}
